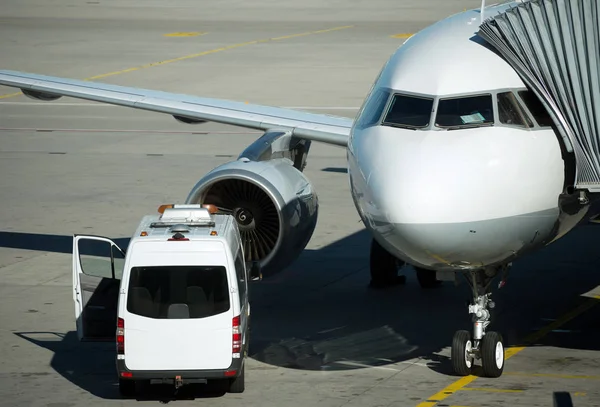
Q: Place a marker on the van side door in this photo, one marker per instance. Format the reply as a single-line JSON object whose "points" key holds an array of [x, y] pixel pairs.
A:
{"points": [[97, 270]]}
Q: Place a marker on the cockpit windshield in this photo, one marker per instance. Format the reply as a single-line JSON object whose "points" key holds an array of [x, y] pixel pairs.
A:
{"points": [[373, 108], [510, 111], [409, 111], [463, 112], [514, 108]]}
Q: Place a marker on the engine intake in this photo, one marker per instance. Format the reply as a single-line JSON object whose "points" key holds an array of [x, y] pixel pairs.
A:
{"points": [[273, 203], [254, 211]]}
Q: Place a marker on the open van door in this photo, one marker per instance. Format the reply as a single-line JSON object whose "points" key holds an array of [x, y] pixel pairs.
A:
{"points": [[97, 269]]}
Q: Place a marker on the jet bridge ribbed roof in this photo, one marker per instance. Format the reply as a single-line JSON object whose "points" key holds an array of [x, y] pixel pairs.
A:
{"points": [[554, 45]]}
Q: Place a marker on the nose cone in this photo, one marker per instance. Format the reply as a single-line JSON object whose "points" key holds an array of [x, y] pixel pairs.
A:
{"points": [[453, 199], [467, 245]]}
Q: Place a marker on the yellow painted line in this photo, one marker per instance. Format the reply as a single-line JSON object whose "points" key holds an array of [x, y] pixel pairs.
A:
{"points": [[402, 35], [185, 34], [554, 375], [10, 95], [199, 54], [448, 391], [490, 390], [285, 37], [510, 352], [536, 336]]}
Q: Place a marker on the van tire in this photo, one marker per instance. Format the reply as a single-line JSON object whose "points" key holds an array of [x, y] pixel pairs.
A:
{"points": [[127, 388], [236, 385]]}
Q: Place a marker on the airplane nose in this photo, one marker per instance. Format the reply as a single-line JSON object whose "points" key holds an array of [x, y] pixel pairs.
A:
{"points": [[440, 205]]}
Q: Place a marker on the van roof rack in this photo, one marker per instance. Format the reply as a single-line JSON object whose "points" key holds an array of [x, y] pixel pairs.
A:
{"points": [[192, 224], [188, 215]]}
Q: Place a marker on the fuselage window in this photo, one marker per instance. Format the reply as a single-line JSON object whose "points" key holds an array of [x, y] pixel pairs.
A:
{"points": [[409, 111], [469, 111], [537, 109], [510, 111], [371, 113]]}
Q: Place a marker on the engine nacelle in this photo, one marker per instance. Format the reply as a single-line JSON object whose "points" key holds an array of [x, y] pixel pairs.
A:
{"points": [[273, 202]]}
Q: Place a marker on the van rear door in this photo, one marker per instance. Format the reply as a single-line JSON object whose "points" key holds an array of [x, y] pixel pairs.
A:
{"points": [[97, 270], [179, 312]]}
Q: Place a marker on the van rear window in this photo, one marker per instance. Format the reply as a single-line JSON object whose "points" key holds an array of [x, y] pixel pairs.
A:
{"points": [[178, 292]]}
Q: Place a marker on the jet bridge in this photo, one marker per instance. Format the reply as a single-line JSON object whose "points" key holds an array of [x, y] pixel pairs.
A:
{"points": [[554, 45]]}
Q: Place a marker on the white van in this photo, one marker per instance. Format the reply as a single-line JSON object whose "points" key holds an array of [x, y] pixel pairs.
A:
{"points": [[178, 298]]}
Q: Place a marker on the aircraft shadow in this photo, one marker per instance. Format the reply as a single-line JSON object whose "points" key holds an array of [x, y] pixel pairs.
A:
{"points": [[319, 314], [340, 170]]}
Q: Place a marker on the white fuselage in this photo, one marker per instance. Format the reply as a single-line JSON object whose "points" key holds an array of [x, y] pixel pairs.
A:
{"points": [[454, 198]]}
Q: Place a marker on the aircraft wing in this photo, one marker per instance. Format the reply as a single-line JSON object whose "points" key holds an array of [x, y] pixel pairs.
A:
{"points": [[189, 109]]}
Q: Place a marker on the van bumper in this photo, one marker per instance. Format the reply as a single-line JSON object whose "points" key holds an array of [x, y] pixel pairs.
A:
{"points": [[185, 376]]}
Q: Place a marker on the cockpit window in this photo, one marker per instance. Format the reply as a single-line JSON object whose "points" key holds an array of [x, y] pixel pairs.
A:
{"points": [[409, 111], [470, 111], [511, 112], [371, 113], [537, 109]]}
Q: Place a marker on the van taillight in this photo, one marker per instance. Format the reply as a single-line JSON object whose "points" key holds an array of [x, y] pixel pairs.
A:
{"points": [[120, 336], [237, 337]]}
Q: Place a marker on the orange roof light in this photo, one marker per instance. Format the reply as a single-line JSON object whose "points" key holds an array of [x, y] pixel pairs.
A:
{"points": [[144, 233], [161, 209], [213, 233], [211, 208]]}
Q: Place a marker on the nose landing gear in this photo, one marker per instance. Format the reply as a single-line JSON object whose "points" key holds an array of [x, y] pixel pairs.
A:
{"points": [[486, 346]]}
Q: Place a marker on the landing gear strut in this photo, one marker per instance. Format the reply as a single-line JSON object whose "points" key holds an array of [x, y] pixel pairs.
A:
{"points": [[486, 346], [384, 267]]}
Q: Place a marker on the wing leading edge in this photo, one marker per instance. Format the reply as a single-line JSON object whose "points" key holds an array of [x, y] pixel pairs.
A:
{"points": [[311, 126]]}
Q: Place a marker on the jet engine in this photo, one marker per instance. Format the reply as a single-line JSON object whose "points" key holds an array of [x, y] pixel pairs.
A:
{"points": [[272, 201]]}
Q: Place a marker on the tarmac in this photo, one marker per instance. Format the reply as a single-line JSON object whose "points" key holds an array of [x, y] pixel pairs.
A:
{"points": [[320, 336]]}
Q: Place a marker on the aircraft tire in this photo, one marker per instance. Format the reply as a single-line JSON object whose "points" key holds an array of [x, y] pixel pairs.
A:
{"points": [[462, 362], [492, 354], [427, 278], [384, 267]]}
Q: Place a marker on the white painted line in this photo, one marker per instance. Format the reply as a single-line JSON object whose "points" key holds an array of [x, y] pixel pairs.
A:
{"points": [[109, 105], [331, 330], [56, 104], [407, 362], [349, 363], [201, 132]]}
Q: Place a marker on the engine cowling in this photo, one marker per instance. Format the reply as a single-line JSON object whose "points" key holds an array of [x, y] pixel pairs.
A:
{"points": [[273, 203]]}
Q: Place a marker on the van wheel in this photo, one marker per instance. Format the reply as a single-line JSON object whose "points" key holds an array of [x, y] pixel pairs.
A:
{"points": [[236, 385], [127, 388]]}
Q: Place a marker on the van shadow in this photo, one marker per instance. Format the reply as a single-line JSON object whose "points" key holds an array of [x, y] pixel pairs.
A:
{"points": [[319, 314], [91, 366]]}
